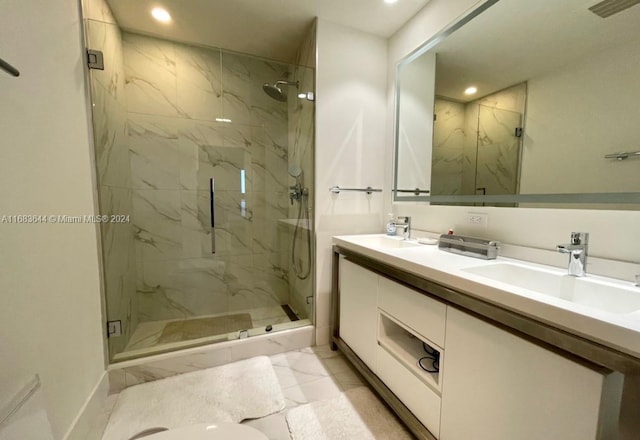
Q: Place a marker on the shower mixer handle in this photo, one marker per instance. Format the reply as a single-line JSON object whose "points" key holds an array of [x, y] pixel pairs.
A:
{"points": [[297, 192]]}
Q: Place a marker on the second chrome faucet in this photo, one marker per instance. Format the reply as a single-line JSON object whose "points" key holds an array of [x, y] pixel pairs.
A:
{"points": [[406, 226], [577, 250]]}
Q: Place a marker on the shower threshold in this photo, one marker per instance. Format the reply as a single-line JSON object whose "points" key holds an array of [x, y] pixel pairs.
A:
{"points": [[148, 339]]}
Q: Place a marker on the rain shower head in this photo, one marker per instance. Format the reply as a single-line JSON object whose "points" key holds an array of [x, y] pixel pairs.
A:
{"points": [[274, 90]]}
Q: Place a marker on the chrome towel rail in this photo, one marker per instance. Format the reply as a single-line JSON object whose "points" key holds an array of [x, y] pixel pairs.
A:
{"points": [[416, 191], [622, 155], [9, 68], [336, 189]]}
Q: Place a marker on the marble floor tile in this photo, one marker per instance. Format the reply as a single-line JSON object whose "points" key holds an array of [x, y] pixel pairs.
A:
{"points": [[306, 375], [100, 422], [274, 426]]}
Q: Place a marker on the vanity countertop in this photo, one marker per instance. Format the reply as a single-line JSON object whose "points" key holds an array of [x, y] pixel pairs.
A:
{"points": [[617, 330]]}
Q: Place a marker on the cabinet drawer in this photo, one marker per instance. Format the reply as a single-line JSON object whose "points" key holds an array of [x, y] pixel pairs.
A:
{"points": [[423, 314], [418, 397]]}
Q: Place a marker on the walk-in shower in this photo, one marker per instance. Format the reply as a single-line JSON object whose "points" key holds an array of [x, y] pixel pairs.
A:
{"points": [[169, 120]]}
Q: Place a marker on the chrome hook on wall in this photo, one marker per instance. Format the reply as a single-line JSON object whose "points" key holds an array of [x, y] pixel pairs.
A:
{"points": [[9, 68]]}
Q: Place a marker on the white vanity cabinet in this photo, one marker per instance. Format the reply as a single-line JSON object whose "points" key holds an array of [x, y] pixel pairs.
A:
{"points": [[499, 386], [386, 325], [492, 383], [359, 310]]}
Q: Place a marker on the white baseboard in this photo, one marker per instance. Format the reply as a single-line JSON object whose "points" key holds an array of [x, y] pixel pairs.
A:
{"points": [[86, 425]]}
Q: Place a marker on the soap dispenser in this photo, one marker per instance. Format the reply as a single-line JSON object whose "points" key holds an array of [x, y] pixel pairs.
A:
{"points": [[391, 225]]}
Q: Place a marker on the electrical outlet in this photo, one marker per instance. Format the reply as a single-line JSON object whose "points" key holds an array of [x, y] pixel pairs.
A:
{"points": [[478, 219]]}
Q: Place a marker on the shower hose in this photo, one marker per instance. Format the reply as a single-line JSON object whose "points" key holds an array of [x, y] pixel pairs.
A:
{"points": [[298, 268]]}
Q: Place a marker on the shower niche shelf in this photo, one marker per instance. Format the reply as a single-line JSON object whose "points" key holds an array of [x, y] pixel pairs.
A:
{"points": [[406, 346]]}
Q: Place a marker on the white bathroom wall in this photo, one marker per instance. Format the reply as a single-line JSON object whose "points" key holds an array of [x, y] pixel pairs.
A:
{"points": [[416, 131], [350, 138], [430, 20], [570, 111], [50, 318], [614, 234]]}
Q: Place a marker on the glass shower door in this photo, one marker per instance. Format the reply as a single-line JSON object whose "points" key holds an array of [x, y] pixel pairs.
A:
{"points": [[498, 151]]}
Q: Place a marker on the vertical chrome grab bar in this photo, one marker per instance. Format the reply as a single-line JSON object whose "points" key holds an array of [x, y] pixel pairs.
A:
{"points": [[213, 215]]}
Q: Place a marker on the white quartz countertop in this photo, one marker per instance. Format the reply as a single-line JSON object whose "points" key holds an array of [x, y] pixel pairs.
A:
{"points": [[620, 331]]}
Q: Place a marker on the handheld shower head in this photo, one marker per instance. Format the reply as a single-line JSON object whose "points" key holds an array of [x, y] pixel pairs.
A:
{"points": [[295, 171], [276, 92]]}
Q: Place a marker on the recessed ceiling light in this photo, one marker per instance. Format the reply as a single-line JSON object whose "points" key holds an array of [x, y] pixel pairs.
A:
{"points": [[391, 1], [161, 14], [470, 90]]}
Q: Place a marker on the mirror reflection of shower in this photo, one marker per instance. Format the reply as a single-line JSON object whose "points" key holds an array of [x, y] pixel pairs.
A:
{"points": [[300, 195]]}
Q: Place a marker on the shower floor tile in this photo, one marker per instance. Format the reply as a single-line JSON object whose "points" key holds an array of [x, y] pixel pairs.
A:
{"points": [[147, 334]]}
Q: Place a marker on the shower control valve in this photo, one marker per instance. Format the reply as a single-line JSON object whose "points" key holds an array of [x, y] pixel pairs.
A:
{"points": [[296, 192]]}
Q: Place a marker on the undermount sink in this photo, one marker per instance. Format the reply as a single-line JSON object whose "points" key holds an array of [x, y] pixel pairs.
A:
{"points": [[585, 291], [385, 242]]}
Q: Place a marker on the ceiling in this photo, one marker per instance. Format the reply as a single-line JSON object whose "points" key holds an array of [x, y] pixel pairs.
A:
{"points": [[267, 28], [516, 40]]}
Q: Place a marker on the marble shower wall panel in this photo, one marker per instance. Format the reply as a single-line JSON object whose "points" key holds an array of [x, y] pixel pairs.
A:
{"points": [[498, 150], [306, 52], [268, 208], [470, 148], [112, 168], [109, 106], [243, 99], [110, 138], [301, 154], [154, 152], [199, 82], [174, 289], [157, 224], [119, 264], [176, 92], [97, 10], [150, 69], [511, 100], [108, 39], [448, 148]]}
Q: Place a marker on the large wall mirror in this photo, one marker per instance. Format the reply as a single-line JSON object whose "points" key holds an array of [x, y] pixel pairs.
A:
{"points": [[524, 103]]}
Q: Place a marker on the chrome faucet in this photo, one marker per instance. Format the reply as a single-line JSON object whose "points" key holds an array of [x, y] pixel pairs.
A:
{"points": [[577, 251], [406, 234]]}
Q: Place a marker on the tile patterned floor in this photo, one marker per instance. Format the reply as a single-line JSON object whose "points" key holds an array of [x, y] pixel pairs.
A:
{"points": [[306, 375]]}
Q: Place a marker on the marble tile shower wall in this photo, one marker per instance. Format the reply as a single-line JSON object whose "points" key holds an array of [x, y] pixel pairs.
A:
{"points": [[499, 165], [174, 94], [301, 140], [112, 161], [448, 147], [486, 125]]}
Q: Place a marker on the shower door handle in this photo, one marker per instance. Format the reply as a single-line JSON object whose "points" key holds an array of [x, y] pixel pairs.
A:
{"points": [[212, 206]]}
